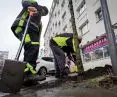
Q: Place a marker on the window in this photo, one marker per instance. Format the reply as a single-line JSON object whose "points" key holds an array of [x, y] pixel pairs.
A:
{"points": [[63, 16], [87, 57], [99, 53], [81, 8], [106, 51], [84, 28], [49, 59], [57, 1], [55, 14], [98, 14], [56, 24], [59, 23], [63, 3], [51, 29], [65, 29], [53, 24], [59, 12]]}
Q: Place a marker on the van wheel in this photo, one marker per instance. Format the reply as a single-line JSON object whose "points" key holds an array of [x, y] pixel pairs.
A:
{"points": [[43, 71]]}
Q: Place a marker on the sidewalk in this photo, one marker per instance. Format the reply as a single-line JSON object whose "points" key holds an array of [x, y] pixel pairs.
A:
{"points": [[53, 88]]}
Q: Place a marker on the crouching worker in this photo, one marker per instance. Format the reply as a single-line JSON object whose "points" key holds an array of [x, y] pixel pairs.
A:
{"points": [[31, 43], [61, 44]]}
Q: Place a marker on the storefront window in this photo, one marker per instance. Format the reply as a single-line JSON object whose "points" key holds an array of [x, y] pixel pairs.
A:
{"points": [[93, 55], [106, 51], [87, 57], [99, 53]]}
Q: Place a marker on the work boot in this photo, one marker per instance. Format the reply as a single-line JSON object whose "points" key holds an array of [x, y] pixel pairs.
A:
{"points": [[31, 68], [36, 78], [57, 75], [33, 80], [60, 75]]}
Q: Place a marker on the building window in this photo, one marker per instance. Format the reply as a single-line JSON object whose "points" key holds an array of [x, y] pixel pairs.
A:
{"points": [[56, 24], [87, 57], [63, 3], [57, 1], [84, 28], [81, 8], [55, 14], [99, 53], [65, 29], [64, 15], [59, 23], [51, 29], [59, 12], [98, 14], [53, 24], [106, 51]]}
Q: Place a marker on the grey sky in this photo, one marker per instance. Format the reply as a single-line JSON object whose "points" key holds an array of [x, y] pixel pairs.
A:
{"points": [[8, 12]]}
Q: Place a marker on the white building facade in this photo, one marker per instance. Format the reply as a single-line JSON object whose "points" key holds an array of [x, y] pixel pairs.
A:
{"points": [[89, 22]]}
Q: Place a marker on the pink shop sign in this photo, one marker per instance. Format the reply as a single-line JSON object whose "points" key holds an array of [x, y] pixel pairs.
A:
{"points": [[95, 45]]}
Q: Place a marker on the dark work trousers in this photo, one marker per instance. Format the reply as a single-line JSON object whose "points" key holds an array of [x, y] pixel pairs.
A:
{"points": [[31, 50], [59, 57]]}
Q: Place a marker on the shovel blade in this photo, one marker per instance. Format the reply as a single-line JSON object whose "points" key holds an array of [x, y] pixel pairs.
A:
{"points": [[12, 76]]}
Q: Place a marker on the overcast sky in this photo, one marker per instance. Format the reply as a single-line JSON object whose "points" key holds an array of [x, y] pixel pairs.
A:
{"points": [[8, 12]]}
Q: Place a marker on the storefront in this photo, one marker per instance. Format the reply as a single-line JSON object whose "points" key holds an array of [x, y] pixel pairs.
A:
{"points": [[96, 53]]}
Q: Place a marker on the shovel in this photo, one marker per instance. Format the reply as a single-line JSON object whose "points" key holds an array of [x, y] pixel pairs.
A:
{"points": [[13, 71]]}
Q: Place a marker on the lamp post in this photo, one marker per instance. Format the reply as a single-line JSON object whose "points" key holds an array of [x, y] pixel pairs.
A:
{"points": [[110, 35]]}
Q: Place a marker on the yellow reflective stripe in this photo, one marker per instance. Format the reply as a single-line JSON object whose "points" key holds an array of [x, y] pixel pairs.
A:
{"points": [[21, 22], [33, 71], [26, 69], [35, 43], [18, 29], [27, 38], [31, 68], [61, 41], [74, 46]]}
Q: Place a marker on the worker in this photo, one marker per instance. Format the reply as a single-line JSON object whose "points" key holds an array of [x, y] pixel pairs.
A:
{"points": [[31, 42], [61, 44]]}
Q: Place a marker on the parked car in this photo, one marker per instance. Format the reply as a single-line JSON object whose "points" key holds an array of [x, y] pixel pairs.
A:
{"points": [[45, 65]]}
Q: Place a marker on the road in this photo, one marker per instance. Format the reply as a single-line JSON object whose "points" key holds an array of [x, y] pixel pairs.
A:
{"points": [[54, 88]]}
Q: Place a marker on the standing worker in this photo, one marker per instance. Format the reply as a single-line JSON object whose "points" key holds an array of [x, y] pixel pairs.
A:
{"points": [[61, 44], [31, 42]]}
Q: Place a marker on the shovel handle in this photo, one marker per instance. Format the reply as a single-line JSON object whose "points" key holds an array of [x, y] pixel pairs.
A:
{"points": [[22, 41]]}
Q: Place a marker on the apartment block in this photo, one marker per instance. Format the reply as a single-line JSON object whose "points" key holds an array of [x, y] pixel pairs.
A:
{"points": [[89, 21]]}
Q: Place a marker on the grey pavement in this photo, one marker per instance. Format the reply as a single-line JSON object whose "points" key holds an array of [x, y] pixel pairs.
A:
{"points": [[66, 89]]}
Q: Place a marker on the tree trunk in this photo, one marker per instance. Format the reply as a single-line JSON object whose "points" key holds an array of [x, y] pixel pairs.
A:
{"points": [[78, 61]]}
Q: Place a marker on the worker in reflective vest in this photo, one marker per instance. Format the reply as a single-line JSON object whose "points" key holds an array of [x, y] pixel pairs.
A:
{"points": [[31, 43], [61, 44]]}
